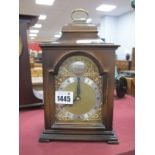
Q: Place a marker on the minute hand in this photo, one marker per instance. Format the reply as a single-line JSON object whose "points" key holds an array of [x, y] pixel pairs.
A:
{"points": [[78, 87]]}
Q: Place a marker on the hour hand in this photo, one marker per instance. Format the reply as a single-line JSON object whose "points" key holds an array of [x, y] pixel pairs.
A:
{"points": [[77, 98]]}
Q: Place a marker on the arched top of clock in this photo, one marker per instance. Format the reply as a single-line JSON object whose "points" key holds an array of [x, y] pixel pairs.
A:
{"points": [[76, 53]]}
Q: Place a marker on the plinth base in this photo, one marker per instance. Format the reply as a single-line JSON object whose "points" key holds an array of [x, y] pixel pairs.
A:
{"points": [[105, 136]]}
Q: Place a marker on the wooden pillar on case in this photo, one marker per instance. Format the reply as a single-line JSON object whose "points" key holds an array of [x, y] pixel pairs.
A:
{"points": [[26, 96]]}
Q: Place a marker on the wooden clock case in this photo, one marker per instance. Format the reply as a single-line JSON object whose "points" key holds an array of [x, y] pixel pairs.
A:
{"points": [[103, 55], [26, 96]]}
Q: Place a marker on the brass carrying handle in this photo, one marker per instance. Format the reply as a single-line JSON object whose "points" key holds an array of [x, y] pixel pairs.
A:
{"points": [[83, 11]]}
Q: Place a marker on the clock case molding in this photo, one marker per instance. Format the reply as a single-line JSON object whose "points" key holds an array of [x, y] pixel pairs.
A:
{"points": [[103, 55]]}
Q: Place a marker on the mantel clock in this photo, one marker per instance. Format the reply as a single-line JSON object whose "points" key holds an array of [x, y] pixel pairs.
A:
{"points": [[78, 80]]}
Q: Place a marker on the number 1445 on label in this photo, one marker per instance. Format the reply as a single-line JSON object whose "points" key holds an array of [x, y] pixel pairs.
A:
{"points": [[63, 97]]}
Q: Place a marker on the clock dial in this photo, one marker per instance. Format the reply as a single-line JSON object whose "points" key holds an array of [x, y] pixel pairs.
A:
{"points": [[80, 75], [84, 105]]}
